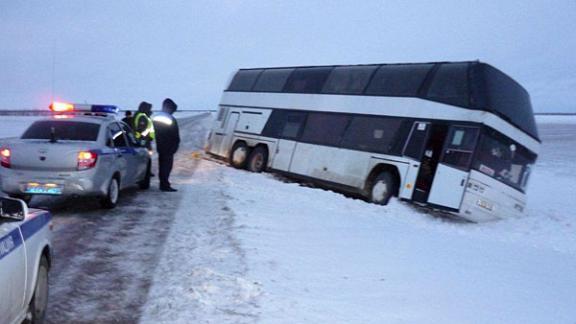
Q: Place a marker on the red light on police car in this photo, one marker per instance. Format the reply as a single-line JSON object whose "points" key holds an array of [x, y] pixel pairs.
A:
{"points": [[61, 107], [5, 155], [87, 160]]}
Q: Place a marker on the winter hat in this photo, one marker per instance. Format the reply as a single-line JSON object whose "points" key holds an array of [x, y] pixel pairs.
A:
{"points": [[169, 106], [145, 107]]}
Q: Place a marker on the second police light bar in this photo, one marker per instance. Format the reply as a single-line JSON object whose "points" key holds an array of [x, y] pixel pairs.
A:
{"points": [[70, 108]]}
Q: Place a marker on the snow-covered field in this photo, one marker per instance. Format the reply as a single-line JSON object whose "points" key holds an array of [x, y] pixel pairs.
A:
{"points": [[250, 248], [282, 253], [13, 126]]}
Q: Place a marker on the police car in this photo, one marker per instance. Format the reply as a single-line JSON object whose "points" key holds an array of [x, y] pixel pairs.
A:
{"points": [[81, 150], [25, 247]]}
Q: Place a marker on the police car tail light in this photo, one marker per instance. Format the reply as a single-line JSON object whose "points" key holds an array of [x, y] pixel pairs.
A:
{"points": [[5, 155], [87, 160], [61, 107]]}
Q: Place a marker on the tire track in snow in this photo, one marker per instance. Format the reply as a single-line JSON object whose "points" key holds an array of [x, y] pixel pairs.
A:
{"points": [[202, 277]]}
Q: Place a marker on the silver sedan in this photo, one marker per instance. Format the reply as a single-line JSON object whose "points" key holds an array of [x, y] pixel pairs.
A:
{"points": [[75, 155]]}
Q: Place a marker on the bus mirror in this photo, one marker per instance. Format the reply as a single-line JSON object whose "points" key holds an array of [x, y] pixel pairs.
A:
{"points": [[13, 209]]}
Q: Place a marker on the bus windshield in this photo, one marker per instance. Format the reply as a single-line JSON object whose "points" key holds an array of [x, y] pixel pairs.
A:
{"points": [[504, 160]]}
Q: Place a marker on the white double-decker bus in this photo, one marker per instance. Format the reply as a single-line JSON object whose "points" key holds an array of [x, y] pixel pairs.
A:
{"points": [[456, 136]]}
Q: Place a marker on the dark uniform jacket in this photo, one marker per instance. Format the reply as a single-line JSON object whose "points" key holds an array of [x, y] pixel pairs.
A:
{"points": [[167, 134]]}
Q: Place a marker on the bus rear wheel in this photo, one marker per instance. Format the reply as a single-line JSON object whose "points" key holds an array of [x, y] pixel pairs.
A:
{"points": [[382, 188], [239, 155], [258, 159]]}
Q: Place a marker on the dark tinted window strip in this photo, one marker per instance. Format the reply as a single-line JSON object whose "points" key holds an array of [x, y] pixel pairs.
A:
{"points": [[472, 103], [408, 121], [496, 113]]}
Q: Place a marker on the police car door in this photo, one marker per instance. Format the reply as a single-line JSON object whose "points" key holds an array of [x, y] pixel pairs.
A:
{"points": [[139, 154], [121, 161], [12, 271]]}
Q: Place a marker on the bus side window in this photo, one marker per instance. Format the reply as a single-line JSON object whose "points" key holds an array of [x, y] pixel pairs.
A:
{"points": [[293, 125], [285, 124], [460, 146], [325, 129], [372, 134]]}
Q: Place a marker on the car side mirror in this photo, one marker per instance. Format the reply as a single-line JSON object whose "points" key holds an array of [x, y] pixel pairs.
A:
{"points": [[13, 209], [109, 143]]}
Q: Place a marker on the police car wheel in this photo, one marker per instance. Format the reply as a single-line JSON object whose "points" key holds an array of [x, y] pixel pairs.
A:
{"points": [[239, 155], [144, 184], [37, 308], [382, 188], [111, 199], [258, 159]]}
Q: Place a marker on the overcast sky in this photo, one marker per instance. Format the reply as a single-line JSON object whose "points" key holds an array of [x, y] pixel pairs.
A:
{"points": [[123, 52]]}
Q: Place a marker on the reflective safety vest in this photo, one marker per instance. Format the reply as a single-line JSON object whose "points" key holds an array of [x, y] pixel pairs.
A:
{"points": [[143, 127]]}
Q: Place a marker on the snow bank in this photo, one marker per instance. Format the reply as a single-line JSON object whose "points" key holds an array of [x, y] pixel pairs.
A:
{"points": [[13, 126], [251, 248], [556, 119], [324, 258]]}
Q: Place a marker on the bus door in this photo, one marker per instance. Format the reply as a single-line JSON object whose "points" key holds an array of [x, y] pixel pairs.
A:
{"points": [[229, 128], [452, 172], [425, 145]]}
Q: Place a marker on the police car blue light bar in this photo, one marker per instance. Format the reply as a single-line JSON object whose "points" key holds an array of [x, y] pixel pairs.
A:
{"points": [[68, 107]]}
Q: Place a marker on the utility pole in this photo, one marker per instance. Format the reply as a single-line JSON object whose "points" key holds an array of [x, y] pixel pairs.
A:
{"points": [[53, 71]]}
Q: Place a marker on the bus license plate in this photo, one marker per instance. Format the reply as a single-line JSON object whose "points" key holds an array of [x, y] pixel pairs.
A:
{"points": [[44, 188]]}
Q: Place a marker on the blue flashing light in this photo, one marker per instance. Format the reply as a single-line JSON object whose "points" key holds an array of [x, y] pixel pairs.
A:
{"points": [[109, 109]]}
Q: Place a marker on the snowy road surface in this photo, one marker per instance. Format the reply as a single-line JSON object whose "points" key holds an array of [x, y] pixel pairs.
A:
{"points": [[237, 247]]}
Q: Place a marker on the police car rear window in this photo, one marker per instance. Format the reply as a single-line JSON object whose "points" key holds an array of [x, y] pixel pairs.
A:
{"points": [[62, 130]]}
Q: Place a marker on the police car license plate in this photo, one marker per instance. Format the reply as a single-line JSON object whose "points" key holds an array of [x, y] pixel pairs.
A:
{"points": [[44, 188]]}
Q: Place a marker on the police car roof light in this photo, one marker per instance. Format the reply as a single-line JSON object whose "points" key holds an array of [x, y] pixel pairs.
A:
{"points": [[83, 108], [109, 109], [61, 107]]}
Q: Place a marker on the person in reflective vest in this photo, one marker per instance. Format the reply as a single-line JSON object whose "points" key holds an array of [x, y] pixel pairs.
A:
{"points": [[143, 126]]}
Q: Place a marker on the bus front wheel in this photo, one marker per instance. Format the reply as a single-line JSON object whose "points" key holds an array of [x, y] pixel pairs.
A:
{"points": [[382, 188], [239, 155]]}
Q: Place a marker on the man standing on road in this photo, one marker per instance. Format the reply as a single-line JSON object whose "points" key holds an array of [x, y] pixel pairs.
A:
{"points": [[143, 126], [167, 141]]}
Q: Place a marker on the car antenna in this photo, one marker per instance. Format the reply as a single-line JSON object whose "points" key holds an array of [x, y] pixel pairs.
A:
{"points": [[53, 135]]}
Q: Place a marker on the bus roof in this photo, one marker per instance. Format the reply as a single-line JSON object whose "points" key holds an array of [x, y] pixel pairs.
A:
{"points": [[468, 84]]}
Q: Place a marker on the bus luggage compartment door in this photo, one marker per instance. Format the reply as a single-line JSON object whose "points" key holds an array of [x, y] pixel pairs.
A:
{"points": [[452, 173], [283, 155]]}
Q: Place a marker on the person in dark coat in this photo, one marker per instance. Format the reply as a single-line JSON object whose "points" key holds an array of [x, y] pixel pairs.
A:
{"points": [[128, 118], [167, 142]]}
